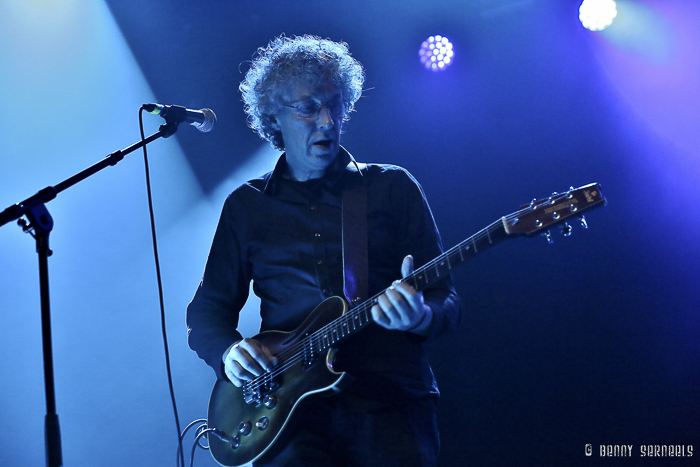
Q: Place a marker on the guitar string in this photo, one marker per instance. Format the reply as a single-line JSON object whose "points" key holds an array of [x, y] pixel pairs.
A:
{"points": [[297, 351]]}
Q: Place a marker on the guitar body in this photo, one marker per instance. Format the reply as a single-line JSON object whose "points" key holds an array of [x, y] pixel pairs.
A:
{"points": [[228, 408]]}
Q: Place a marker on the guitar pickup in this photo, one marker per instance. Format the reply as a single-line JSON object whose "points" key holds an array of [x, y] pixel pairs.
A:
{"points": [[310, 354]]}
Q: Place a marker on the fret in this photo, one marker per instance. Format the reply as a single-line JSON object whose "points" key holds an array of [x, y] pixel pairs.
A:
{"points": [[455, 260], [488, 234], [412, 277]]}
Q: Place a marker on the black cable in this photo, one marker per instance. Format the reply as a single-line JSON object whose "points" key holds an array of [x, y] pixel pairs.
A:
{"points": [[160, 289], [203, 426], [206, 431]]}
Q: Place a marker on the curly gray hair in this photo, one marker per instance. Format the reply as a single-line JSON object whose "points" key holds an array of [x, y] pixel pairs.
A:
{"points": [[308, 58]]}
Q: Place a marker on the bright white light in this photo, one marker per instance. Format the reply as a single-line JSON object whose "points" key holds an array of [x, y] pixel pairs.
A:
{"points": [[436, 53], [597, 15]]}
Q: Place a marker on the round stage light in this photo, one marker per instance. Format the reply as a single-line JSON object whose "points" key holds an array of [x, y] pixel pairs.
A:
{"points": [[597, 15], [436, 53]]}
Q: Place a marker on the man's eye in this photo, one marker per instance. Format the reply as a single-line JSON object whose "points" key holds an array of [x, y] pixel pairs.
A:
{"points": [[310, 108]]}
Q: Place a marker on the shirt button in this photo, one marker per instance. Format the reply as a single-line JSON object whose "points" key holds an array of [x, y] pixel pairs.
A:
{"points": [[313, 208], [320, 261]]}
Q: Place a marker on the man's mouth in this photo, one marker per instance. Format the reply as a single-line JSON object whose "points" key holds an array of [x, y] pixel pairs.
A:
{"points": [[324, 143]]}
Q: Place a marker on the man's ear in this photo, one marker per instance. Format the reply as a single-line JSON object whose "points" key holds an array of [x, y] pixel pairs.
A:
{"points": [[274, 124]]}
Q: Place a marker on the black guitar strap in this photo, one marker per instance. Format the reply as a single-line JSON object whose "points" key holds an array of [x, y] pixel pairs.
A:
{"points": [[355, 236]]}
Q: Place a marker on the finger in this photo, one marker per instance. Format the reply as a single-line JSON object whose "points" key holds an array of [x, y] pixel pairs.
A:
{"points": [[270, 358], [398, 313], [407, 296], [407, 266], [240, 370], [236, 373], [243, 364], [255, 355], [231, 375], [379, 317]]}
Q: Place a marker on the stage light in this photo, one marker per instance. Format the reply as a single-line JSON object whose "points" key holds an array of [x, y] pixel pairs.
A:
{"points": [[436, 53], [597, 15]]}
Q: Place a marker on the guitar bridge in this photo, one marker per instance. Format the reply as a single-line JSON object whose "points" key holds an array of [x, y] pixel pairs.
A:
{"points": [[255, 391]]}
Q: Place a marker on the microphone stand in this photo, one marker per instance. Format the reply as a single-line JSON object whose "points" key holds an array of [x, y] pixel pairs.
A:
{"points": [[39, 226]]}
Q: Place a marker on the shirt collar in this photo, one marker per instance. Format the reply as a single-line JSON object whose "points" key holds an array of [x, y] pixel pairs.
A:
{"points": [[344, 163]]}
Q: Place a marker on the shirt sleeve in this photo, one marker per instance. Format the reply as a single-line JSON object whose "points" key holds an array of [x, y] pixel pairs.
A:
{"points": [[212, 315], [422, 240]]}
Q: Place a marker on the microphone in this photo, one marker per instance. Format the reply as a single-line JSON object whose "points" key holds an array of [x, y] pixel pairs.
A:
{"points": [[203, 119]]}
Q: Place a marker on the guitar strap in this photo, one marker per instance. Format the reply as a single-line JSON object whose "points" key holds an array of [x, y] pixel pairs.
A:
{"points": [[354, 211]]}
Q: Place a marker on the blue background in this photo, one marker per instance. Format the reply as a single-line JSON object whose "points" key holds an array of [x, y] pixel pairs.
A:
{"points": [[590, 340]]}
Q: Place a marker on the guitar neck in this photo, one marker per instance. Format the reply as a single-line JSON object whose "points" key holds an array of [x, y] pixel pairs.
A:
{"points": [[529, 219], [456, 256]]}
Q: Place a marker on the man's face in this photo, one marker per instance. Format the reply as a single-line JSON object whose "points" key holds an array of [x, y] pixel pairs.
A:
{"points": [[311, 143]]}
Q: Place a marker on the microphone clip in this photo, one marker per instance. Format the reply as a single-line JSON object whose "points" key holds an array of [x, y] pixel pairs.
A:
{"points": [[203, 119]]}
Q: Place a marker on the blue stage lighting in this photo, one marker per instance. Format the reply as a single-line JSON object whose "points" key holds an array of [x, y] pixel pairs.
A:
{"points": [[436, 53], [597, 15]]}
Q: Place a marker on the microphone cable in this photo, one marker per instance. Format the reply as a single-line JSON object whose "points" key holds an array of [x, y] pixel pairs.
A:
{"points": [[160, 290]]}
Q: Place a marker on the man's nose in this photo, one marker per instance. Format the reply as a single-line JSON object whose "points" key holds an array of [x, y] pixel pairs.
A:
{"points": [[325, 119]]}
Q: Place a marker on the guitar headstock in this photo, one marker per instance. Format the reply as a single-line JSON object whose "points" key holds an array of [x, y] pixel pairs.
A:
{"points": [[544, 213]]}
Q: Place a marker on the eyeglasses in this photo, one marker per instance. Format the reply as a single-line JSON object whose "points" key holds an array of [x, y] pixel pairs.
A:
{"points": [[310, 109]]}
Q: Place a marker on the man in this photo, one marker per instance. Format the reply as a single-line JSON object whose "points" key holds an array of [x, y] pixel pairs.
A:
{"points": [[284, 232]]}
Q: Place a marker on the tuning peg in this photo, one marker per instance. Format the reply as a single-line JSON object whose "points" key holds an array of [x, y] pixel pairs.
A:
{"points": [[548, 236], [566, 229], [584, 224]]}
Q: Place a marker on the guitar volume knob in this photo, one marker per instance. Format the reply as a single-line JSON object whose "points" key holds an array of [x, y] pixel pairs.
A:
{"points": [[270, 402], [244, 428], [262, 423]]}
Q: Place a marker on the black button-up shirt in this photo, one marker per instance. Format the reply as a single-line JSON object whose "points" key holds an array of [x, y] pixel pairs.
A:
{"points": [[286, 236]]}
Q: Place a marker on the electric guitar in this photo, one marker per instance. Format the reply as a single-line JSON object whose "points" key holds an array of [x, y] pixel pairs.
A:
{"points": [[246, 421]]}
